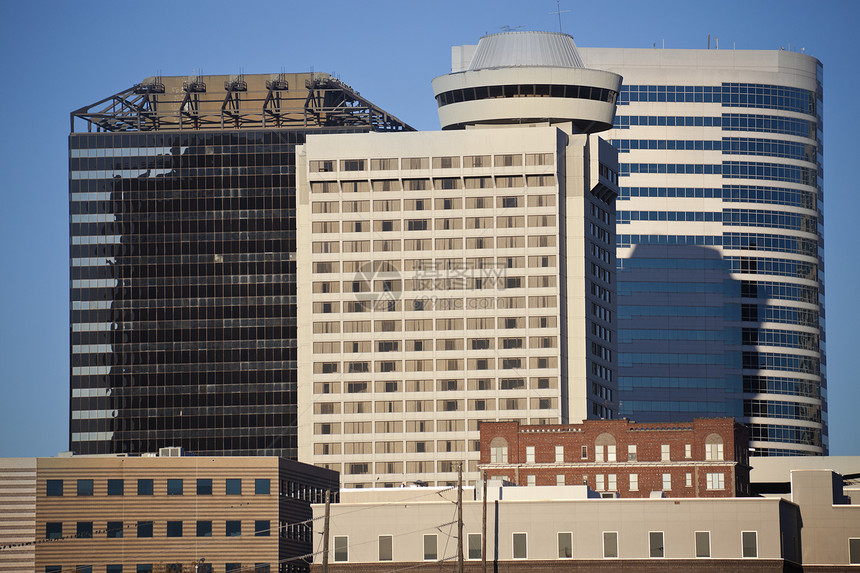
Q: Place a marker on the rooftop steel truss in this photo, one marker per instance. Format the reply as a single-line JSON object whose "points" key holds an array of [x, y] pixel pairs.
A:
{"points": [[325, 102]]}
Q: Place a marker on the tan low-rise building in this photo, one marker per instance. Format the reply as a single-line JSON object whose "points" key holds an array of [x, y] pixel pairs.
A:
{"points": [[550, 528]]}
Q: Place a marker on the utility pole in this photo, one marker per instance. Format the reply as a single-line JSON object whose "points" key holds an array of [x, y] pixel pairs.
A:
{"points": [[325, 532], [460, 518], [484, 528]]}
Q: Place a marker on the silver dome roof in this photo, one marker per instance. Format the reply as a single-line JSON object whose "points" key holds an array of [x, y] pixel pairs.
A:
{"points": [[517, 49]]}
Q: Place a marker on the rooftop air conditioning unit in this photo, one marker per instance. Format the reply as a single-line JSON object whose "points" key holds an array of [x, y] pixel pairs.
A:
{"points": [[609, 495], [171, 452]]}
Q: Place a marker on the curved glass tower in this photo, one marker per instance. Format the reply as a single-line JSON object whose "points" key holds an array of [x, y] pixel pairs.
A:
{"points": [[720, 240]]}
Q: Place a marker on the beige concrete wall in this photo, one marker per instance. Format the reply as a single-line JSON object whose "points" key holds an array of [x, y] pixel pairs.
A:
{"points": [[17, 514]]}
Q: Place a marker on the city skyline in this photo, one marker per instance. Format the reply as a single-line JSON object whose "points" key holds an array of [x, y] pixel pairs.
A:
{"points": [[46, 423]]}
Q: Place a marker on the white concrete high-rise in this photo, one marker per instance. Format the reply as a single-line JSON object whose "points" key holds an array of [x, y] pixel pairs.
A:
{"points": [[451, 277], [720, 240]]}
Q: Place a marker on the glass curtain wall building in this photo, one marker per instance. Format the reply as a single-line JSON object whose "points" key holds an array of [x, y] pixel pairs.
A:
{"points": [[182, 225], [720, 240]]}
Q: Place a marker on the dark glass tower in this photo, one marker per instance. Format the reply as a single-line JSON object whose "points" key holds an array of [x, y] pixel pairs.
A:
{"points": [[182, 225]]}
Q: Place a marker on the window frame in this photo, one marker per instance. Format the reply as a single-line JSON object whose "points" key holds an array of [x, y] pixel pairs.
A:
{"points": [[230, 481], [259, 482], [177, 529], [51, 486], [258, 532], [525, 537], [696, 544], [203, 522], [662, 547], [755, 548], [172, 484], [617, 553], [81, 486], [559, 545], [202, 485], [238, 523], [469, 538], [390, 539], [435, 554], [114, 530], [145, 486]]}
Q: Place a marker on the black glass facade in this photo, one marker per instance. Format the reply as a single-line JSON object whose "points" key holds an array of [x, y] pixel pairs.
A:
{"points": [[183, 328]]}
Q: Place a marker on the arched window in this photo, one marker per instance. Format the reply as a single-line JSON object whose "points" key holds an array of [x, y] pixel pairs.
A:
{"points": [[714, 447], [499, 451], [604, 448]]}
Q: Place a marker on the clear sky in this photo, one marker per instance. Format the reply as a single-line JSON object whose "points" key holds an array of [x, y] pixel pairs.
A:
{"points": [[59, 56]]}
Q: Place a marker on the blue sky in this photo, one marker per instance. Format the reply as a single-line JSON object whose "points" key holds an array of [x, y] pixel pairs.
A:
{"points": [[59, 56]]}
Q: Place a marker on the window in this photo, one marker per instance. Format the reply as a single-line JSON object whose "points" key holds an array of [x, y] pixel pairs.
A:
{"points": [[610, 544], [530, 454], [655, 544], [234, 486], [854, 551], [688, 479], [634, 482], [204, 529], [599, 485], [84, 530], [113, 568], [114, 529], [261, 528], [612, 482], [174, 529], [713, 447], [559, 454], [664, 452], [559, 479], [115, 487], [703, 544], [53, 569], [54, 530], [233, 567], [144, 529], [688, 451], [204, 487], [430, 547], [385, 548], [631, 453], [667, 482], [584, 454], [498, 451], [474, 550], [144, 568], [174, 487], [83, 569], [85, 487], [144, 487], [521, 546], [54, 488], [715, 481], [531, 480], [233, 528], [749, 544], [262, 486], [565, 545]]}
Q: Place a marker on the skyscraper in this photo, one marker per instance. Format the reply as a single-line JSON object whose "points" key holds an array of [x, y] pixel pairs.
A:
{"points": [[182, 204], [720, 240], [451, 277]]}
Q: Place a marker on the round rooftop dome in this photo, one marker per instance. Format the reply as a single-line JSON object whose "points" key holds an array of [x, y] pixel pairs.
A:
{"points": [[515, 49], [527, 77]]}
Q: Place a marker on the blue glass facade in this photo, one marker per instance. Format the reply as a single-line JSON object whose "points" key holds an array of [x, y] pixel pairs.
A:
{"points": [[719, 242]]}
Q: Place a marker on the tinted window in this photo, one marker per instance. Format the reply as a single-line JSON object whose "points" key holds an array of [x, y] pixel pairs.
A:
{"points": [[84, 530], [144, 529], [174, 529], [174, 487], [204, 487], [116, 487], [261, 528], [234, 529], [144, 487], [234, 486], [114, 529], [54, 530], [204, 529], [55, 487], [85, 487], [261, 486]]}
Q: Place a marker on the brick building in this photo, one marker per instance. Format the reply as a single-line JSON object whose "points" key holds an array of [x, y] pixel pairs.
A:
{"points": [[620, 458]]}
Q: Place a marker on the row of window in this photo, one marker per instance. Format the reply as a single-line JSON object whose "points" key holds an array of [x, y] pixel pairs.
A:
{"points": [[164, 568], [729, 169], [116, 529], [607, 452], [727, 145], [728, 121], [728, 94], [519, 546], [427, 184], [730, 194], [146, 486], [446, 162], [526, 90], [730, 217], [427, 345], [444, 385]]}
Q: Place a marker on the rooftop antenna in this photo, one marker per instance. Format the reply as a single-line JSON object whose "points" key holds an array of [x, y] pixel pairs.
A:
{"points": [[559, 11]]}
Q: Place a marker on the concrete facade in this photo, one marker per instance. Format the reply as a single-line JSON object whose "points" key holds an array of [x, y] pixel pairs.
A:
{"points": [[387, 530]]}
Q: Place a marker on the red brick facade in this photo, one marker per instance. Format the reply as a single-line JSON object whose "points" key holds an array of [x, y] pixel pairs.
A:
{"points": [[706, 457]]}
